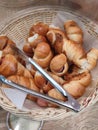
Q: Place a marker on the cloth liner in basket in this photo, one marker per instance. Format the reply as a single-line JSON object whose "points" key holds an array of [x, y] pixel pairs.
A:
{"points": [[17, 29]]}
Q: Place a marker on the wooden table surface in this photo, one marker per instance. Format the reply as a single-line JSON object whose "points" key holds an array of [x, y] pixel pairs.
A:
{"points": [[89, 121]]}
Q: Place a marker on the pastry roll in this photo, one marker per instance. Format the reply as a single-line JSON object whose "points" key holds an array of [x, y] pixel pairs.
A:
{"points": [[59, 65], [5, 45], [39, 28], [10, 66], [32, 43], [43, 54], [92, 57], [43, 84], [36, 39], [73, 31], [56, 36], [28, 50], [76, 86]]}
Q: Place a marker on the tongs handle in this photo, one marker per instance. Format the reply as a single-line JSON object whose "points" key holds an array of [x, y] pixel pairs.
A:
{"points": [[36, 94], [71, 100]]}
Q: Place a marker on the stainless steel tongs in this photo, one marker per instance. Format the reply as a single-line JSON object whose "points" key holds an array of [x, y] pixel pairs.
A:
{"points": [[71, 103]]}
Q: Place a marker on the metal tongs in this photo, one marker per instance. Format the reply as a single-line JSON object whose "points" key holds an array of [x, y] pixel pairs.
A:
{"points": [[71, 103]]}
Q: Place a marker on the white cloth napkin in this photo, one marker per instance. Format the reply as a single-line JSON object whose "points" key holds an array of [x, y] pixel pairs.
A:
{"points": [[17, 97]]}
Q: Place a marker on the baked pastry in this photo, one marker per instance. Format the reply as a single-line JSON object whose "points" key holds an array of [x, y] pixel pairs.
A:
{"points": [[39, 80], [28, 50], [35, 40], [5, 45], [73, 31], [10, 66], [56, 94], [57, 78], [56, 36], [39, 28], [43, 54], [43, 84], [73, 70], [59, 65], [3, 41], [74, 52], [31, 44], [76, 86], [92, 57]]}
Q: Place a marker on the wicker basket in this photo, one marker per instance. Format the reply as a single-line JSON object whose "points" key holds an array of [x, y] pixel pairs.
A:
{"points": [[17, 29]]}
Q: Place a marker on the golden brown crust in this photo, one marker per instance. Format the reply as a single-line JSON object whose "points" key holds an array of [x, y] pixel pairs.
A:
{"points": [[59, 65], [73, 52], [5, 45], [43, 54], [3, 41], [75, 89], [42, 83], [35, 40], [32, 43], [21, 70], [39, 28], [92, 57], [39, 80], [28, 50], [56, 36], [83, 78], [73, 31], [10, 66], [58, 79], [55, 94], [75, 86], [25, 81]]}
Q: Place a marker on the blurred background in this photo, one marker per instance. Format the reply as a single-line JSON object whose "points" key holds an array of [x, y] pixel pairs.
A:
{"points": [[85, 7]]}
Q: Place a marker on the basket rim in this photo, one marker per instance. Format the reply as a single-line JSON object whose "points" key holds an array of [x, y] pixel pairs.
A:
{"points": [[57, 8], [24, 12]]}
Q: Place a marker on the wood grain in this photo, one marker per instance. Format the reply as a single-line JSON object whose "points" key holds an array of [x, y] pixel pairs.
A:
{"points": [[84, 120]]}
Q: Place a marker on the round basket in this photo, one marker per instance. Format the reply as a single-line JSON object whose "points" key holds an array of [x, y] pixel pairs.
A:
{"points": [[17, 29]]}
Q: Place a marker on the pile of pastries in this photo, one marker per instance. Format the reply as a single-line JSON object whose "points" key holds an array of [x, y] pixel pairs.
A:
{"points": [[59, 52]]}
